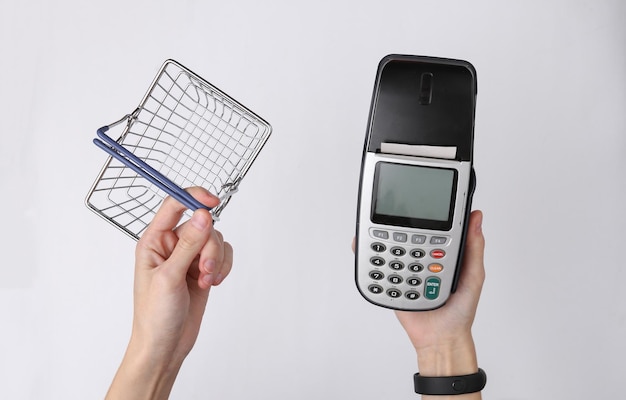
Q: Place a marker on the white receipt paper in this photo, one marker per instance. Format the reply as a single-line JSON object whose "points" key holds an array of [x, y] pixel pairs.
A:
{"points": [[447, 152]]}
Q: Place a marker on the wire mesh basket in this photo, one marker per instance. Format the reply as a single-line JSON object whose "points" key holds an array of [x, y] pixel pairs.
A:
{"points": [[186, 130]]}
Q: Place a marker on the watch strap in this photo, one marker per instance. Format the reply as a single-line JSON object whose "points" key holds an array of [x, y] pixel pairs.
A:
{"points": [[450, 385]]}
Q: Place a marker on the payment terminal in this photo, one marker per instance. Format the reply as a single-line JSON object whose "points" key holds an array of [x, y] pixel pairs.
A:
{"points": [[416, 182]]}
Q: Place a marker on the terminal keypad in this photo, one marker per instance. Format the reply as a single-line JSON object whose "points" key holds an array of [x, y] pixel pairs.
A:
{"points": [[405, 264]]}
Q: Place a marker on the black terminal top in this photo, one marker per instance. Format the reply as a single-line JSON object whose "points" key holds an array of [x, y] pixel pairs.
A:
{"points": [[423, 101]]}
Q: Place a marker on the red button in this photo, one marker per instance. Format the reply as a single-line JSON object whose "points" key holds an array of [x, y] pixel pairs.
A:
{"points": [[437, 253]]}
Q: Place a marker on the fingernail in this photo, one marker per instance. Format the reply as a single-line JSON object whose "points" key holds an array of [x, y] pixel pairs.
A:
{"points": [[199, 220], [208, 279], [218, 280], [209, 266], [479, 225]]}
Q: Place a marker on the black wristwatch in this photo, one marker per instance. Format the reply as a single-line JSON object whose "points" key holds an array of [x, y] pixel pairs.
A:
{"points": [[450, 385]]}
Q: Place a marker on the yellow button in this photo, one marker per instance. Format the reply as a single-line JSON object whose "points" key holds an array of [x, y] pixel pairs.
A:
{"points": [[435, 268]]}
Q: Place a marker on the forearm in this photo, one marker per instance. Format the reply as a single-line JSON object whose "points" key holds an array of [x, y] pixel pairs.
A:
{"points": [[449, 359], [143, 376]]}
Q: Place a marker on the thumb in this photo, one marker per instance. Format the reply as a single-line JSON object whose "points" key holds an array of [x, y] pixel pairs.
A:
{"points": [[473, 260]]}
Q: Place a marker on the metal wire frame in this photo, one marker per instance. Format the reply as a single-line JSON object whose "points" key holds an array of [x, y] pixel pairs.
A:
{"points": [[189, 131]]}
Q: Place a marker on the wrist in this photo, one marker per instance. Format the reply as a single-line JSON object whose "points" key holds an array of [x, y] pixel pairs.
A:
{"points": [[144, 374], [448, 357]]}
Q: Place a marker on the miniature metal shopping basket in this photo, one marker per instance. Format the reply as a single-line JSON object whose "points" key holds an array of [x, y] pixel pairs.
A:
{"points": [[185, 132]]}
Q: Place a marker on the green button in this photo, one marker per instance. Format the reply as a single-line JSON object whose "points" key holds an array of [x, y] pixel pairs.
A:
{"points": [[431, 288]]}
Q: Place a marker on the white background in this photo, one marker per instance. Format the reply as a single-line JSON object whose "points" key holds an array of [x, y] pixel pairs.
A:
{"points": [[289, 323]]}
